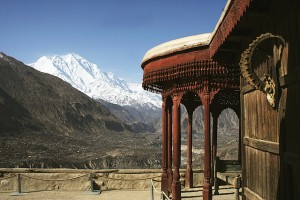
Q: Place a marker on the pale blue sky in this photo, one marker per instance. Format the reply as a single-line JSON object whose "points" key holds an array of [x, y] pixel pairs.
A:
{"points": [[114, 34]]}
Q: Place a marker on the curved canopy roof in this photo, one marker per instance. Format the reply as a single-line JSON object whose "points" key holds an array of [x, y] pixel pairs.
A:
{"points": [[187, 62], [177, 45]]}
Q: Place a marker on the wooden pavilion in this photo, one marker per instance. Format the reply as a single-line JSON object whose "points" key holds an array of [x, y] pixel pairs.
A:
{"points": [[182, 71], [259, 40]]}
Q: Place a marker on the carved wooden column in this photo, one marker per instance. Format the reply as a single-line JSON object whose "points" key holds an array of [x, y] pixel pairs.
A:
{"points": [[176, 189], [207, 190], [170, 171], [164, 177], [189, 171], [214, 144], [240, 143], [214, 136]]}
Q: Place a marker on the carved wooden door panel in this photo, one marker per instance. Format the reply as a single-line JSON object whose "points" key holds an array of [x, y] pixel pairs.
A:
{"points": [[262, 110]]}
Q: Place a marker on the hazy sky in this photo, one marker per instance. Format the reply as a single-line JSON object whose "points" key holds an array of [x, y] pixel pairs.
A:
{"points": [[114, 34]]}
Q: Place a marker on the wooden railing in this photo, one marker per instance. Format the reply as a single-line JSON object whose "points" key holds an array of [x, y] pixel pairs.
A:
{"points": [[228, 171]]}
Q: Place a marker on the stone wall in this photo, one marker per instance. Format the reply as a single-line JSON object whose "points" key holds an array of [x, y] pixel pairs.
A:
{"points": [[122, 179]]}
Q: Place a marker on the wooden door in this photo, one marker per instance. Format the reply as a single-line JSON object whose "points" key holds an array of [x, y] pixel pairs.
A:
{"points": [[270, 124]]}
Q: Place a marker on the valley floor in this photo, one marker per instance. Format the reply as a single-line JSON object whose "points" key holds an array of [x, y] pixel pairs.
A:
{"points": [[226, 193]]}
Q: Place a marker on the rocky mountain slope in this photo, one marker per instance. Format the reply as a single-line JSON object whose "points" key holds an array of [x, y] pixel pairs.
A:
{"points": [[45, 121], [44, 102]]}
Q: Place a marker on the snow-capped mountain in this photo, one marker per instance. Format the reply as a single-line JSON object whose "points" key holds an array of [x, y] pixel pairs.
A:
{"points": [[134, 104], [89, 79]]}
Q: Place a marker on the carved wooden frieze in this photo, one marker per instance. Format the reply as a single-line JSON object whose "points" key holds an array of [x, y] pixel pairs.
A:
{"points": [[192, 76]]}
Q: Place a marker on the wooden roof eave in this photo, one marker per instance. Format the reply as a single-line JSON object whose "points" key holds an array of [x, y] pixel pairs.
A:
{"points": [[232, 14], [237, 29]]}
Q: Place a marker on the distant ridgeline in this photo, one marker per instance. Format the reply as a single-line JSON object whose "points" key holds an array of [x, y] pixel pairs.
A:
{"points": [[45, 121], [129, 102], [59, 126]]}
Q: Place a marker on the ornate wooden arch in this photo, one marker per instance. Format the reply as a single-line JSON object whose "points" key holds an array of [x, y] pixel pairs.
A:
{"points": [[191, 100], [226, 99], [266, 84]]}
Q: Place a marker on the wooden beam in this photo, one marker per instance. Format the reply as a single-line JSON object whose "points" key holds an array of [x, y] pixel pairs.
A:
{"points": [[251, 195], [271, 147]]}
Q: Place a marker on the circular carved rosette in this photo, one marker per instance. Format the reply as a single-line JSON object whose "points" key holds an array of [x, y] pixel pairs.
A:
{"points": [[266, 84]]}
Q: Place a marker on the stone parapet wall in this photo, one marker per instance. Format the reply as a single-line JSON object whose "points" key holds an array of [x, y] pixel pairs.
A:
{"points": [[80, 181]]}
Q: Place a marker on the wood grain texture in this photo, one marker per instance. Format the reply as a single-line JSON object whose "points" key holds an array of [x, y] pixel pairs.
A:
{"points": [[263, 145]]}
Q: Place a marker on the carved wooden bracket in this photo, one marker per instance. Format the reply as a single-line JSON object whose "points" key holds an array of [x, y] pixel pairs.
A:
{"points": [[266, 84]]}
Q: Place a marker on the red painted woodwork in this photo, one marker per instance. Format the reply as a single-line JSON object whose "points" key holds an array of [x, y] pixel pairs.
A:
{"points": [[164, 178], [207, 189], [201, 53], [214, 143], [170, 171], [214, 137], [189, 170], [270, 156], [237, 10], [185, 83], [193, 71], [176, 190]]}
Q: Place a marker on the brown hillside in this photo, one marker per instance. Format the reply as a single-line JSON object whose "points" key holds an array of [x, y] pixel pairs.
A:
{"points": [[42, 102], [45, 122]]}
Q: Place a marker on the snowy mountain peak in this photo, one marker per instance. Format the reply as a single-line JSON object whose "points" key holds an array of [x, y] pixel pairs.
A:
{"points": [[89, 79]]}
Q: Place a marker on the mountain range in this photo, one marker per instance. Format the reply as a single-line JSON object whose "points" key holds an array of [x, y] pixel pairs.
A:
{"points": [[48, 122], [45, 122], [41, 101], [89, 79], [128, 101]]}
